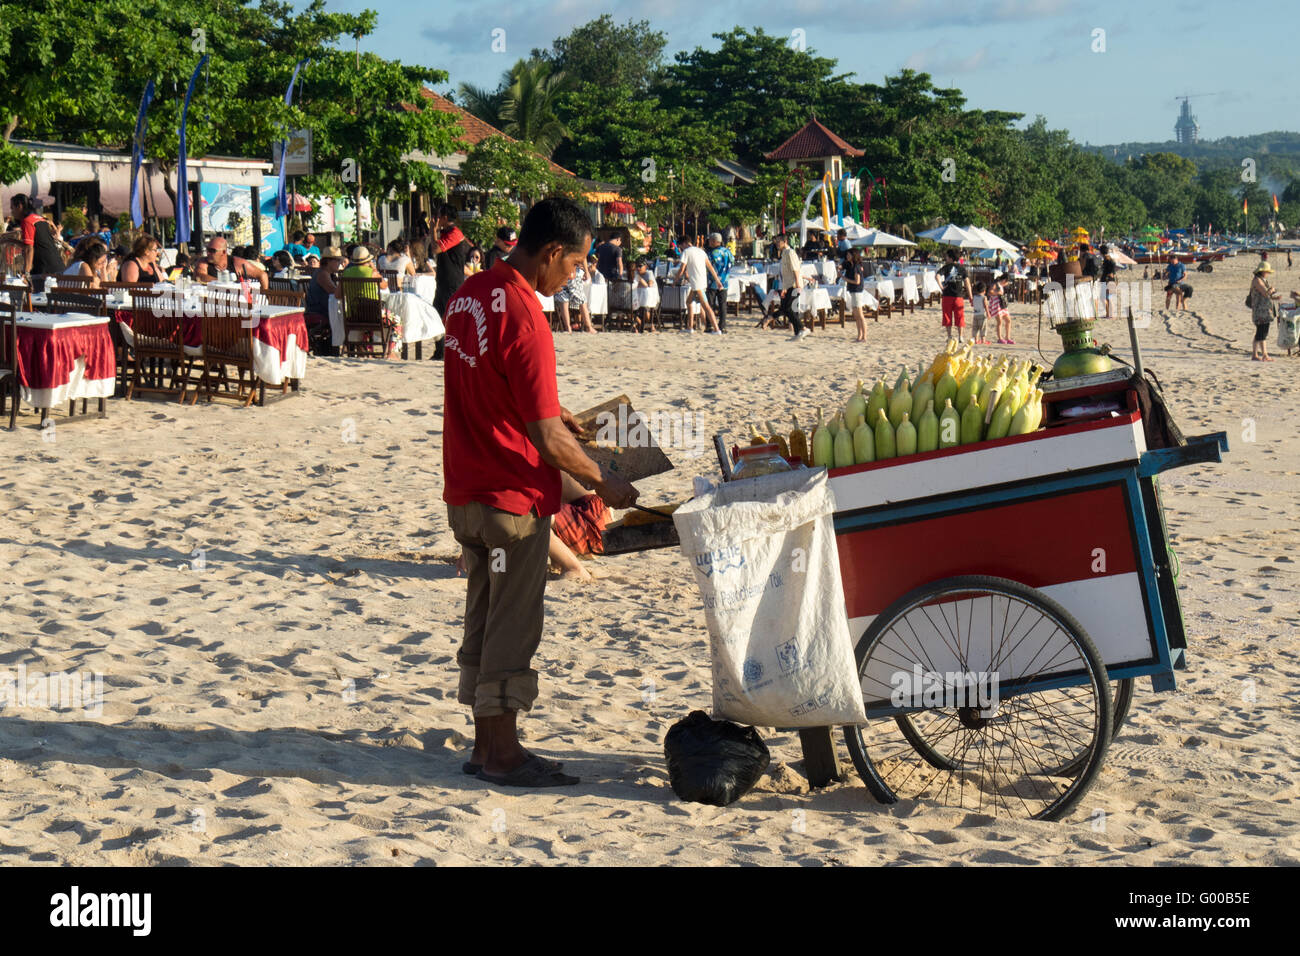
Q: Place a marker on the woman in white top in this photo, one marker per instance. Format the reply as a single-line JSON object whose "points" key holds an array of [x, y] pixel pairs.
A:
{"points": [[91, 258], [396, 259]]}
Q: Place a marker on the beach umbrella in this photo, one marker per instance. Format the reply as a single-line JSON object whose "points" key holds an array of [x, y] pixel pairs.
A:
{"points": [[951, 235], [299, 203], [1119, 258], [989, 240], [877, 237]]}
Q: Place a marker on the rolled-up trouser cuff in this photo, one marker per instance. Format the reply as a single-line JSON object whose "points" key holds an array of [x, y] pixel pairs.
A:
{"points": [[498, 693], [465, 692]]}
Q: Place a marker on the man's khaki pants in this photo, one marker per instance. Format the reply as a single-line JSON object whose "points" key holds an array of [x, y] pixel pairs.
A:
{"points": [[506, 558]]}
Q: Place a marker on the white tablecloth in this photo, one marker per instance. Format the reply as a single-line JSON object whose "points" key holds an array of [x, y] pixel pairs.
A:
{"points": [[909, 289], [864, 298], [885, 290], [547, 301], [77, 384], [598, 298], [645, 297], [418, 318], [812, 299]]}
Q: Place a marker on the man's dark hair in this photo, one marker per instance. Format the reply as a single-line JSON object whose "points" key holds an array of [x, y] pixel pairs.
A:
{"points": [[446, 211], [689, 239], [951, 255], [21, 201], [299, 236], [555, 220], [781, 237]]}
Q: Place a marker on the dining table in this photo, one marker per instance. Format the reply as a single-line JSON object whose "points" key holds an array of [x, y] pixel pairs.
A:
{"points": [[62, 358]]}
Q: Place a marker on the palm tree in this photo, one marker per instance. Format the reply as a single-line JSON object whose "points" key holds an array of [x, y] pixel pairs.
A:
{"points": [[484, 104], [529, 108]]}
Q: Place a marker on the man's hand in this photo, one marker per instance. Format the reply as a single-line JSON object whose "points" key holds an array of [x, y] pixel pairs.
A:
{"points": [[615, 490], [570, 422]]}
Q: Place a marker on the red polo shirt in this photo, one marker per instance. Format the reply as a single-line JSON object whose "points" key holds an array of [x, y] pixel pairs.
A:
{"points": [[499, 374]]}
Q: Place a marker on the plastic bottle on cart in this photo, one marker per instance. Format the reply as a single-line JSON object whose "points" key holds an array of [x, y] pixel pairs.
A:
{"points": [[756, 460]]}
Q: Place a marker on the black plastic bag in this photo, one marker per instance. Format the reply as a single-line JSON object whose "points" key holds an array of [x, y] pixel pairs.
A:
{"points": [[713, 761]]}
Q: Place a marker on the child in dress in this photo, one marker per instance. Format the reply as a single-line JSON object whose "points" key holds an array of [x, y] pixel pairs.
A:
{"points": [[645, 297]]}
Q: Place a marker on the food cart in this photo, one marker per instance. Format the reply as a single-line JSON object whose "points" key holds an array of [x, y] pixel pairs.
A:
{"points": [[1004, 597]]}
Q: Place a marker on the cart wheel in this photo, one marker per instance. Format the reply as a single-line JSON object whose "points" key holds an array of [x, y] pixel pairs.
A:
{"points": [[979, 692]]}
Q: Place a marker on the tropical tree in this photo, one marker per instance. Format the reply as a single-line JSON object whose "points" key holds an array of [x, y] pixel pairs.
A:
{"points": [[529, 110], [606, 54]]}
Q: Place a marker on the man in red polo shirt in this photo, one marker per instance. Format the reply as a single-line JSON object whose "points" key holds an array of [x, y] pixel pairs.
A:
{"points": [[506, 439]]}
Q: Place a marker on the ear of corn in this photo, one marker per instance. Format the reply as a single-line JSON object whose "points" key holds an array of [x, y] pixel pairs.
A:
{"points": [[843, 447], [778, 440], [949, 426], [900, 403], [885, 447], [922, 395], [905, 437], [823, 449], [927, 429], [876, 401], [864, 444], [798, 441], [972, 423]]}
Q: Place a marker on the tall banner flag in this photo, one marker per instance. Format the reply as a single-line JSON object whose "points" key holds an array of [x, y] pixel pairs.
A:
{"points": [[182, 173], [137, 155], [282, 200]]}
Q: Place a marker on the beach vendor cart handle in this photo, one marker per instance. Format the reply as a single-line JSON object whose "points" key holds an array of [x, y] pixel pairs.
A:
{"points": [[1199, 448]]}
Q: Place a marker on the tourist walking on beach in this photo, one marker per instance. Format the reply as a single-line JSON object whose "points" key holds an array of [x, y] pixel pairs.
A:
{"points": [[1263, 310], [1108, 272], [722, 259], [995, 300], [696, 270], [791, 280], [956, 290], [506, 439]]}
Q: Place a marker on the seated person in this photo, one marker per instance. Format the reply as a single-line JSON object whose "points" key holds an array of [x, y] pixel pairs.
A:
{"points": [[142, 264], [283, 265], [295, 247], [90, 261], [397, 259], [217, 260], [316, 305]]}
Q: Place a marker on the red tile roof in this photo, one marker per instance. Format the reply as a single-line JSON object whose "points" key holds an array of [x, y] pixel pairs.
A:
{"points": [[813, 142], [472, 129]]}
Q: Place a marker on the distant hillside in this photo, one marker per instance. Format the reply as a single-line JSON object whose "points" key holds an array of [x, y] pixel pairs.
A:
{"points": [[1280, 151]]}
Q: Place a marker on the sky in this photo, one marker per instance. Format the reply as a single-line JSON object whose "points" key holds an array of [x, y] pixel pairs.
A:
{"points": [[1109, 72]]}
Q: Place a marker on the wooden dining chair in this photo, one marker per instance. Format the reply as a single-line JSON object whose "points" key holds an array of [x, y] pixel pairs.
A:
{"points": [[82, 282], [283, 285], [62, 299], [394, 280], [10, 386], [18, 296], [159, 348], [227, 342], [362, 308], [290, 297]]}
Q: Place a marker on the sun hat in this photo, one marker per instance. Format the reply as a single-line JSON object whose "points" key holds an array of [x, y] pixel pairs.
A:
{"points": [[360, 255], [332, 252], [1263, 267]]}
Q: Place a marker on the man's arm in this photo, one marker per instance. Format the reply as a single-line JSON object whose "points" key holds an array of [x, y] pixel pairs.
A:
{"points": [[453, 239], [554, 440]]}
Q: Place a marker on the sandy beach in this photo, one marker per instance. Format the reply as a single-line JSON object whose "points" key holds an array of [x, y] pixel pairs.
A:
{"points": [[270, 597]]}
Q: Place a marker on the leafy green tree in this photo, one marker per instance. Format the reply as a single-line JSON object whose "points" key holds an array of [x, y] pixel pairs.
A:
{"points": [[755, 85], [606, 54], [1165, 184]]}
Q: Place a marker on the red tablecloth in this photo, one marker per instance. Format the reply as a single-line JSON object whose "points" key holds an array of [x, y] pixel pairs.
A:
{"points": [[61, 358], [46, 356]]}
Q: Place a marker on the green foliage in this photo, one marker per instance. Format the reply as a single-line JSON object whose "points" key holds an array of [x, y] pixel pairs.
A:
{"points": [[74, 221], [507, 167], [529, 108], [755, 85], [15, 163], [498, 211], [606, 54]]}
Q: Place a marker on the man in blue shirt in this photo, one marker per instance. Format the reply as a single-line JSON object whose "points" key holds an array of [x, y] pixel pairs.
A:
{"points": [[309, 243], [295, 247], [722, 260], [1174, 288]]}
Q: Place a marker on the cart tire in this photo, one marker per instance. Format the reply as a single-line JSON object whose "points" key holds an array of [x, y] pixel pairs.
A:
{"points": [[1005, 760], [1121, 694]]}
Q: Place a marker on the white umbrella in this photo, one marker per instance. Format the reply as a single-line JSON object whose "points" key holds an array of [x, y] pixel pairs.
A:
{"points": [[854, 230], [875, 237], [951, 235], [989, 241]]}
